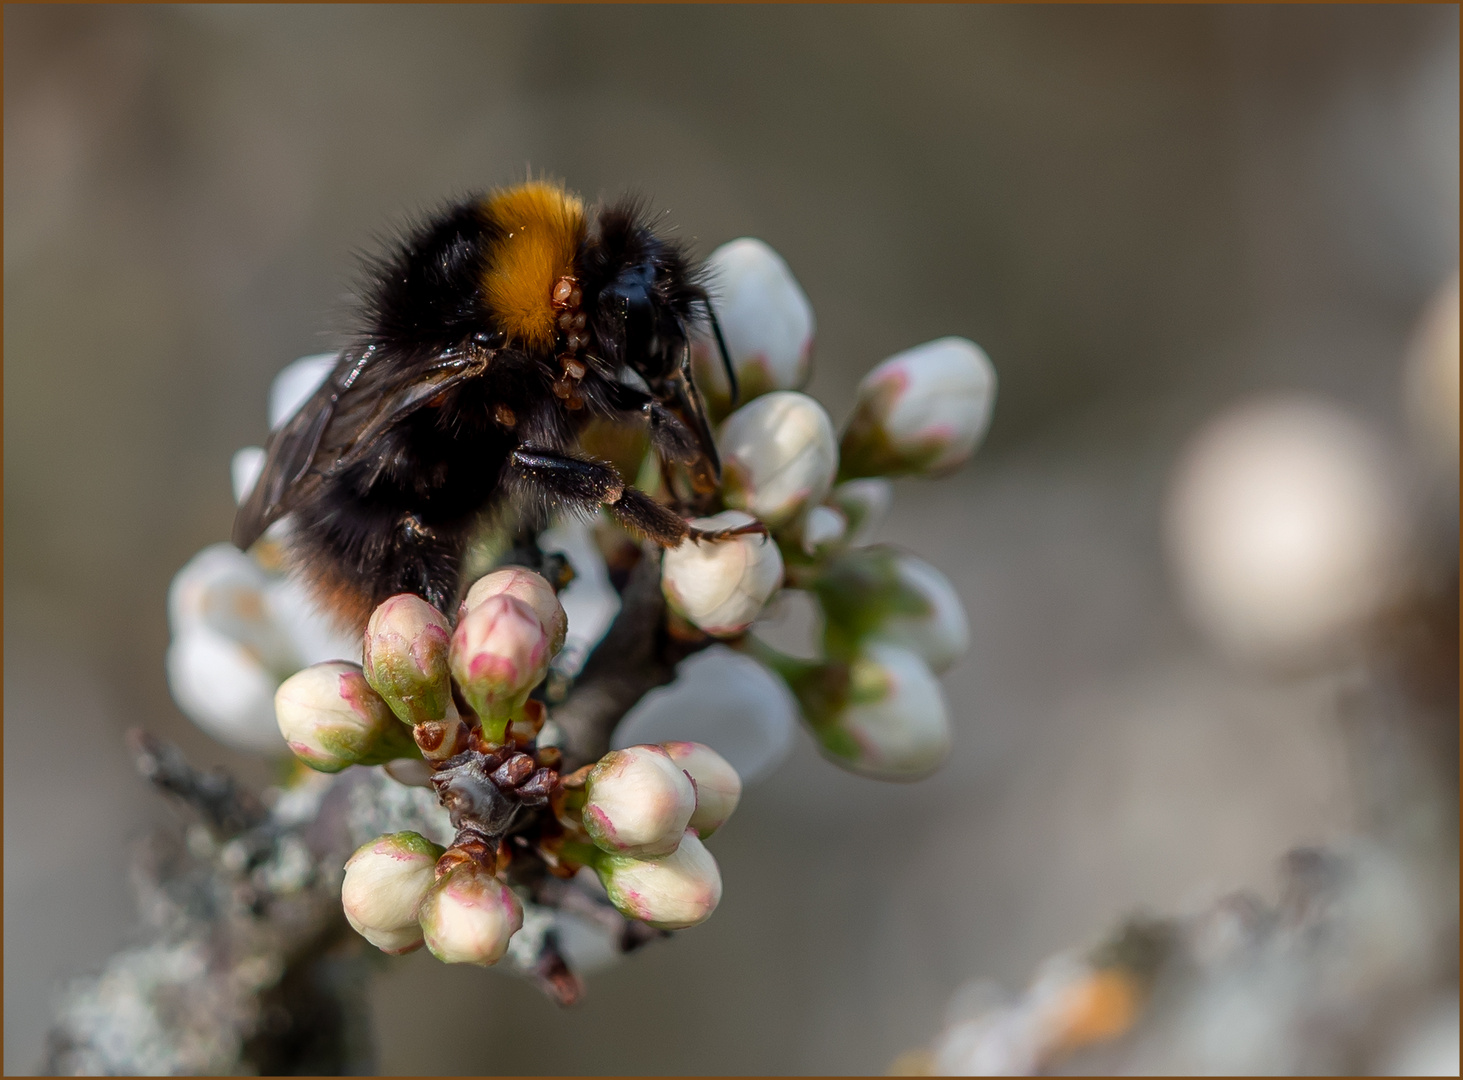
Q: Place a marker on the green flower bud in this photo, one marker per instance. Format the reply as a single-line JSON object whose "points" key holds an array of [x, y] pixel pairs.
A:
{"points": [[406, 658], [500, 652], [879, 593]]}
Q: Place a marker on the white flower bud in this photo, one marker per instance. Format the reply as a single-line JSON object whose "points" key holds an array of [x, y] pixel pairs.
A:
{"points": [[779, 454], [525, 585], [718, 787], [500, 652], [385, 883], [672, 893], [331, 718], [766, 320], [1286, 529], [921, 411], [638, 801], [406, 658], [880, 593], [940, 634], [721, 585], [893, 725], [823, 529], [865, 503], [469, 916]]}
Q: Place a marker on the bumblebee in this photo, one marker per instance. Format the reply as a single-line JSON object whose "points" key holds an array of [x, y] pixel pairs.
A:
{"points": [[489, 336]]}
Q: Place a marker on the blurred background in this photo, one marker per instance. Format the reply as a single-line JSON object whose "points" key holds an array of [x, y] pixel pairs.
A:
{"points": [[1144, 215]]}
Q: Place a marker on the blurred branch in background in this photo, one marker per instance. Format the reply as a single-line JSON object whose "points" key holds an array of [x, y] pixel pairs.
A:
{"points": [[1301, 546]]}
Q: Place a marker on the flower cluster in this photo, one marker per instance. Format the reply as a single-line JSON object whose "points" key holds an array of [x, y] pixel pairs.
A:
{"points": [[458, 699], [465, 702], [891, 622]]}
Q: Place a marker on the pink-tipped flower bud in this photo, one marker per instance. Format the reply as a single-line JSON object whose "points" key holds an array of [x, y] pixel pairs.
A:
{"points": [[881, 593], [718, 787], [469, 916], [385, 883], [406, 658], [500, 652], [721, 585], [331, 718], [921, 411], [672, 893], [638, 802], [778, 454], [529, 587], [892, 725], [766, 320]]}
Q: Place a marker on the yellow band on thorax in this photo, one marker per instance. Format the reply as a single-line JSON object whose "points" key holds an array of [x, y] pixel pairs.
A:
{"points": [[538, 227]]}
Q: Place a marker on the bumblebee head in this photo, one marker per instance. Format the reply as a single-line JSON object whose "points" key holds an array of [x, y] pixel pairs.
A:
{"points": [[650, 338]]}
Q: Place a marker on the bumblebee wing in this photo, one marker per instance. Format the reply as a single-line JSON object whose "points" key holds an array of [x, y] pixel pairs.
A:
{"points": [[340, 426], [355, 435], [288, 457]]}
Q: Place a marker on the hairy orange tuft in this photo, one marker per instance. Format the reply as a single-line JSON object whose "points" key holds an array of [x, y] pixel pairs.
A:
{"points": [[539, 227]]}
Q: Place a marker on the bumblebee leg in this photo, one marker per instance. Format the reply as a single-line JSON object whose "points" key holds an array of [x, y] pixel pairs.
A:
{"points": [[752, 528], [594, 484]]}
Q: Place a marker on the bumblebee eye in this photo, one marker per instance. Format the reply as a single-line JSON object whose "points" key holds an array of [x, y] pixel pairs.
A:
{"points": [[490, 340]]}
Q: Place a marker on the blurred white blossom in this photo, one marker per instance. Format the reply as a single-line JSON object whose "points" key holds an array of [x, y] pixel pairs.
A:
{"points": [[1286, 527], [238, 630], [767, 322], [725, 700], [1431, 382]]}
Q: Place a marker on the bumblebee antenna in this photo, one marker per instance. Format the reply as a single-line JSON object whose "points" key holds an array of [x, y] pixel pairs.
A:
{"points": [[731, 375]]}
